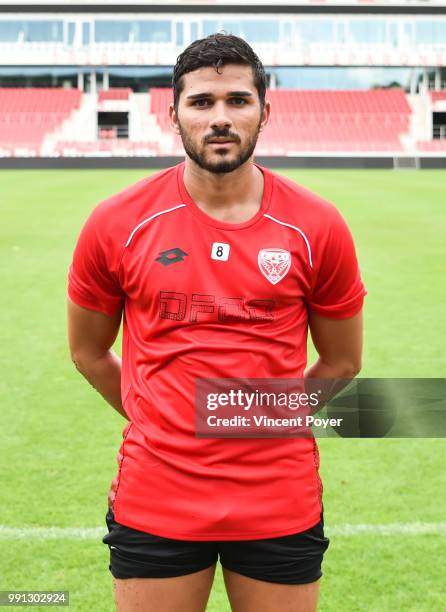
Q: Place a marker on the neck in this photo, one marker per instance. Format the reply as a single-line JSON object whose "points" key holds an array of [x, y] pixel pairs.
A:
{"points": [[213, 191]]}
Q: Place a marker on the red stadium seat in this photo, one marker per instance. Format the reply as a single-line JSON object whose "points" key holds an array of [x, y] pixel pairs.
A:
{"points": [[432, 146], [27, 116], [438, 96], [118, 93]]}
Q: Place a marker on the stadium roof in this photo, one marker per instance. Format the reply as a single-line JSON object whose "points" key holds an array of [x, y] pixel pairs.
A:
{"points": [[227, 3], [377, 7]]}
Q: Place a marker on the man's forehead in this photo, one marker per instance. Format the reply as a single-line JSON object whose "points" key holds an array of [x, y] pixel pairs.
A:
{"points": [[229, 77]]}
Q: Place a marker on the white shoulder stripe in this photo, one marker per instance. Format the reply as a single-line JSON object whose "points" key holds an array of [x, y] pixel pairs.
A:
{"points": [[162, 212], [297, 230]]}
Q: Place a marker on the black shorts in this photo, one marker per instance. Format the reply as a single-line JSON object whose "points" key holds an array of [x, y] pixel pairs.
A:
{"points": [[291, 559]]}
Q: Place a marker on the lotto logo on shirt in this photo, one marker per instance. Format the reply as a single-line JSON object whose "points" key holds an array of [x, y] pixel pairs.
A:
{"points": [[204, 307]]}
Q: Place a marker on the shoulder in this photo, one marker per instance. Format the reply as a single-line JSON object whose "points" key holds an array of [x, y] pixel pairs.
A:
{"points": [[312, 216], [145, 196], [297, 204], [116, 216]]}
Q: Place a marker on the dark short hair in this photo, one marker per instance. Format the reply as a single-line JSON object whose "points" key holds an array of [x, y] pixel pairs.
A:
{"points": [[218, 50]]}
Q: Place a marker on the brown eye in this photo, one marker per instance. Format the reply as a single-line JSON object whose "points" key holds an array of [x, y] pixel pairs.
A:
{"points": [[201, 102]]}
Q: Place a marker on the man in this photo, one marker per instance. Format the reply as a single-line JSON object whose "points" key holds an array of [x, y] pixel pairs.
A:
{"points": [[188, 256]]}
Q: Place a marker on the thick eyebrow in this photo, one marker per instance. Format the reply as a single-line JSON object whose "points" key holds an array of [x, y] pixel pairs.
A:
{"points": [[241, 94], [238, 94]]}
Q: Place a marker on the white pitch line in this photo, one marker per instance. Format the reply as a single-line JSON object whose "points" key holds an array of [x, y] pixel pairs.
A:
{"points": [[389, 529], [95, 533], [52, 533]]}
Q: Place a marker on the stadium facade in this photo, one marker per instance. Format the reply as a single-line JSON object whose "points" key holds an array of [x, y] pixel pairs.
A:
{"points": [[358, 54]]}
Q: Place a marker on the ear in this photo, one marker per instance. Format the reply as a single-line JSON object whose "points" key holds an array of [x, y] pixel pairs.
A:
{"points": [[174, 119], [265, 115]]}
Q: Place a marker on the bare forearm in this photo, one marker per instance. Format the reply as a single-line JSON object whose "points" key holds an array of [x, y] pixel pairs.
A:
{"points": [[339, 369], [328, 379], [104, 374]]}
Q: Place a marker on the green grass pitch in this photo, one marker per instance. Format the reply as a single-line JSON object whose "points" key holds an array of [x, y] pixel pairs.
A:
{"points": [[59, 438]]}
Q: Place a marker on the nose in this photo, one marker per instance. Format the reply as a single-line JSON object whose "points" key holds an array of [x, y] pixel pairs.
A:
{"points": [[220, 117]]}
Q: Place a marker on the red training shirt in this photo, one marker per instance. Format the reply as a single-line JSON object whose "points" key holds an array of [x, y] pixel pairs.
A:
{"points": [[191, 312]]}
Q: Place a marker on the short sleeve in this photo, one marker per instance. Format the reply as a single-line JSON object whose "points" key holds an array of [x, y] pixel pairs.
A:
{"points": [[338, 291], [92, 282]]}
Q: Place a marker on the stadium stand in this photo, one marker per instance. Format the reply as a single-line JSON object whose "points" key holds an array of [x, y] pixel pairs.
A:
{"points": [[27, 116], [388, 68], [302, 121], [322, 120]]}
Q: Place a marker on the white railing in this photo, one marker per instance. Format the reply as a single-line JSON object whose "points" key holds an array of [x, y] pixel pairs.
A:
{"points": [[293, 53]]}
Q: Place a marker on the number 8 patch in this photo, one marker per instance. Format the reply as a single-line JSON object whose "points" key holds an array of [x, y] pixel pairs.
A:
{"points": [[220, 251]]}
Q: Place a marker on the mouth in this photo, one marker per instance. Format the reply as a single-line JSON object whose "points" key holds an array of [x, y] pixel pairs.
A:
{"points": [[221, 141]]}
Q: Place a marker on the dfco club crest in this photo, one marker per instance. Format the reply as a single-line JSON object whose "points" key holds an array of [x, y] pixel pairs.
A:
{"points": [[274, 264]]}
